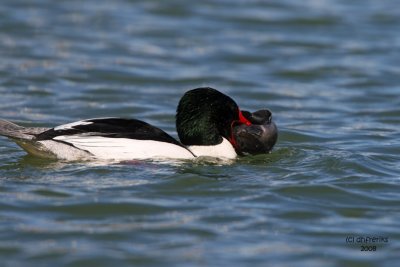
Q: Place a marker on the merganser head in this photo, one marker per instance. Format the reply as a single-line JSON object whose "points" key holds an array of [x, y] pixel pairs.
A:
{"points": [[257, 138], [204, 116]]}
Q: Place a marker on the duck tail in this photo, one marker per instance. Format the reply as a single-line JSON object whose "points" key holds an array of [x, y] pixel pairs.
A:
{"points": [[14, 131]]}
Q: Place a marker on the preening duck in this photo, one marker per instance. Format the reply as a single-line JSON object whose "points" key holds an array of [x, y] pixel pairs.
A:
{"points": [[208, 122]]}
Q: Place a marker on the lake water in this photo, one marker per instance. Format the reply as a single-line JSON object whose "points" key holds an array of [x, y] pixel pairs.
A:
{"points": [[329, 71]]}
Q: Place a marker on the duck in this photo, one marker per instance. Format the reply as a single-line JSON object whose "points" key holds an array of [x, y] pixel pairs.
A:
{"points": [[206, 120]]}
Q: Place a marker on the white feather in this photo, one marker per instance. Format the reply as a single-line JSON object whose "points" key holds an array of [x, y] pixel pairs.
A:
{"points": [[126, 149], [71, 125], [222, 150]]}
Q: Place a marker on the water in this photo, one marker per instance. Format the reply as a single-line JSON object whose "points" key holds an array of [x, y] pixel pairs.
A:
{"points": [[327, 69]]}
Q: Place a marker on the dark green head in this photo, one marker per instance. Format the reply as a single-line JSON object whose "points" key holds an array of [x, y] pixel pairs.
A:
{"points": [[204, 116]]}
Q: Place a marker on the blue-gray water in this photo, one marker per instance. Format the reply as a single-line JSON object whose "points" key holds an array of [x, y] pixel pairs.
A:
{"points": [[329, 71]]}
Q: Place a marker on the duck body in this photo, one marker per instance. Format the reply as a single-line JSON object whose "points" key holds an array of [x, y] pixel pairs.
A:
{"points": [[112, 138], [205, 122]]}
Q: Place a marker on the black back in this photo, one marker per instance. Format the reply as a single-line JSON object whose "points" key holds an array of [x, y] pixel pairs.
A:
{"points": [[113, 128]]}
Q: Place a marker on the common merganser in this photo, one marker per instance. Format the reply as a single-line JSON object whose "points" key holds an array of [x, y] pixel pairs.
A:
{"points": [[205, 122]]}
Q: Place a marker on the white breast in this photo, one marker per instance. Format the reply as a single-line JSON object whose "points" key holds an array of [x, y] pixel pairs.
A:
{"points": [[222, 150]]}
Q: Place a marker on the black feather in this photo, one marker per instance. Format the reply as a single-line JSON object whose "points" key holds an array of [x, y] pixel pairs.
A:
{"points": [[113, 128]]}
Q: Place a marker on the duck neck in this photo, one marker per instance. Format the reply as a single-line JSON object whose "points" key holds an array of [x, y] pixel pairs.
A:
{"points": [[222, 150]]}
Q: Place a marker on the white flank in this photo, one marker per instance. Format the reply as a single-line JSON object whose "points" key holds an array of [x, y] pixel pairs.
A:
{"points": [[51, 149], [223, 150], [71, 125], [126, 149]]}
